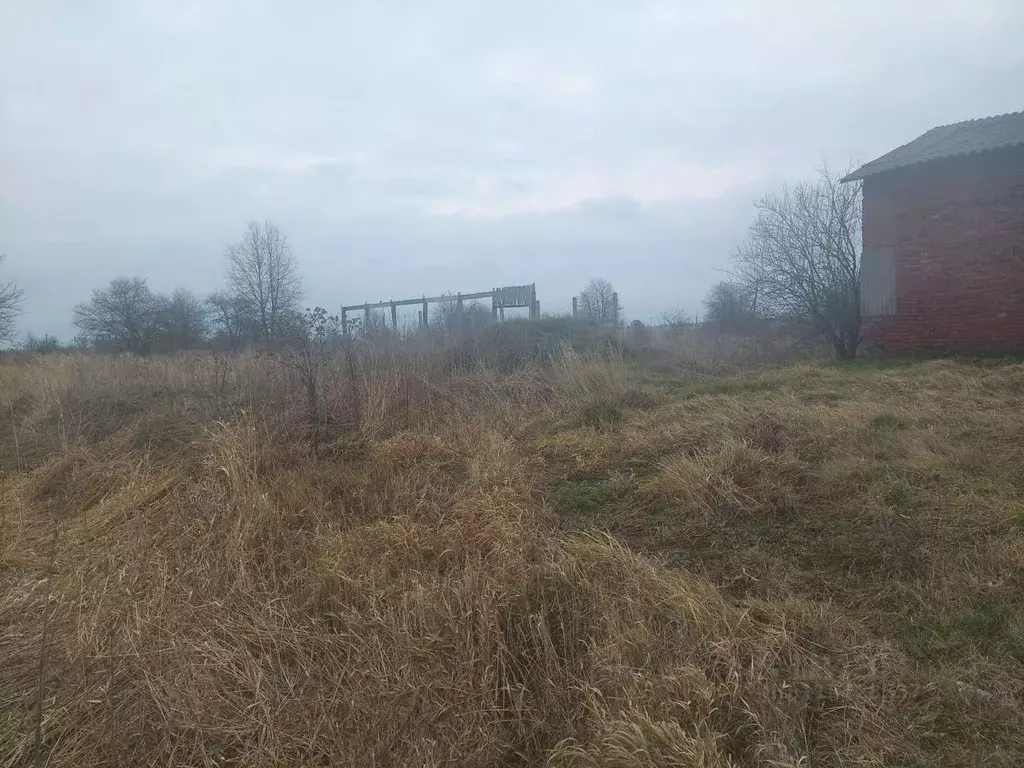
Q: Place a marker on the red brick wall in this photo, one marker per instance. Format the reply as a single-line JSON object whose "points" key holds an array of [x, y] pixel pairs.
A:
{"points": [[956, 229]]}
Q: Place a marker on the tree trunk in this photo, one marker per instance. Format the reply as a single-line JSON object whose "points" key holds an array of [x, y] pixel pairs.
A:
{"points": [[845, 347]]}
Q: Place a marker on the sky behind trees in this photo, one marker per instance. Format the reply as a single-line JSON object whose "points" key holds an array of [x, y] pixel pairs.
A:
{"points": [[409, 148]]}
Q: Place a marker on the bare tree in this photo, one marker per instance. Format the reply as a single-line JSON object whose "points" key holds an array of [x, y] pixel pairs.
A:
{"points": [[729, 305], [312, 335], [598, 302], [122, 317], [373, 325], [229, 319], [11, 297], [456, 318], [639, 333], [476, 316], [677, 320], [183, 320], [802, 259], [264, 276], [42, 345], [445, 316]]}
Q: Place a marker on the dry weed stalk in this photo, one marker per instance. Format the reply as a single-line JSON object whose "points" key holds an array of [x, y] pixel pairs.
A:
{"points": [[444, 582]]}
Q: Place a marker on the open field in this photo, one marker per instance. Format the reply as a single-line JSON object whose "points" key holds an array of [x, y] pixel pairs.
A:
{"points": [[580, 563]]}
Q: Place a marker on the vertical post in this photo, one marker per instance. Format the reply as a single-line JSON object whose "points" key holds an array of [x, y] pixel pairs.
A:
{"points": [[574, 307], [615, 308], [394, 317], [494, 303], [426, 320], [534, 311], [501, 313], [344, 321], [420, 317], [366, 319]]}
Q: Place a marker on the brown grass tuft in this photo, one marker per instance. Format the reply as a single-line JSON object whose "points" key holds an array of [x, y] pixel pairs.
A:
{"points": [[570, 563]]}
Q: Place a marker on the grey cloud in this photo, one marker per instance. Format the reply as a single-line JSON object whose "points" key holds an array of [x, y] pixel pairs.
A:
{"points": [[615, 208], [410, 148]]}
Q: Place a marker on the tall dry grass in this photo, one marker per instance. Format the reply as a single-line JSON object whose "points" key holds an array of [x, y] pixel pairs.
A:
{"points": [[188, 579]]}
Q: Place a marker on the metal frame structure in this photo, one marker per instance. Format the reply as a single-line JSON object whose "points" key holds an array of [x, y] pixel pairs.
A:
{"points": [[501, 299]]}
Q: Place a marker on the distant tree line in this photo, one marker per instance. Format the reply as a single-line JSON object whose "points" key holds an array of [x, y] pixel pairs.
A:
{"points": [[258, 306], [799, 265]]}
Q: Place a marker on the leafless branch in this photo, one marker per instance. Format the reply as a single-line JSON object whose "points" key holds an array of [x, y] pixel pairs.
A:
{"points": [[123, 316], [802, 259], [597, 302], [11, 297], [264, 276]]}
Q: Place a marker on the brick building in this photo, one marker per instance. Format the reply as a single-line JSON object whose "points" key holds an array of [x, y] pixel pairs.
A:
{"points": [[943, 263]]}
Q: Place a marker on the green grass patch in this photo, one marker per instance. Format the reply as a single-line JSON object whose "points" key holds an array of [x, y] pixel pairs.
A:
{"points": [[582, 497], [872, 364], [992, 626], [601, 414], [887, 420]]}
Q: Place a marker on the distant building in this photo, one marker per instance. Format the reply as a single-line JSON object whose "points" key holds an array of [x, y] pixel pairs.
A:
{"points": [[943, 263]]}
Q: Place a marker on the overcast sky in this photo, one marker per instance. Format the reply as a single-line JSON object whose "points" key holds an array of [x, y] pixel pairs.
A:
{"points": [[454, 145]]}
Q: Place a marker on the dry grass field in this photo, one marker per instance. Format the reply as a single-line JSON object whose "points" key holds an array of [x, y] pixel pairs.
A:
{"points": [[582, 563]]}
